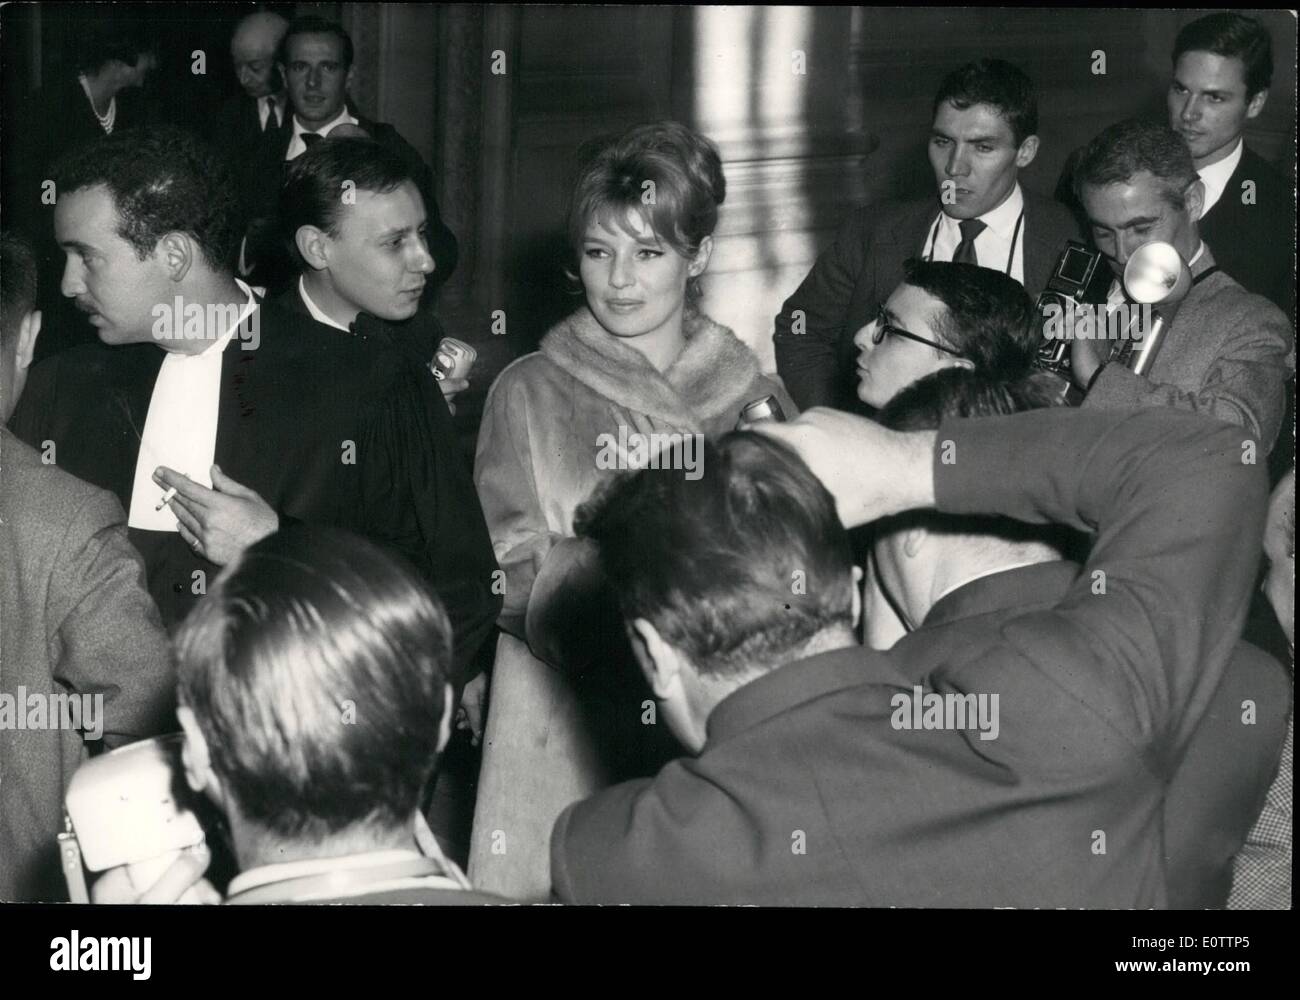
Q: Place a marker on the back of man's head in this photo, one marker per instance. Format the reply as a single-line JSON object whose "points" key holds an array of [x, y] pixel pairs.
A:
{"points": [[1001, 85], [1232, 36], [988, 316], [1127, 148], [316, 182], [162, 180], [922, 553], [316, 670], [738, 569], [17, 304]]}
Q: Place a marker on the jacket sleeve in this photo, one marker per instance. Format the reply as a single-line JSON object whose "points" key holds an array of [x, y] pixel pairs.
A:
{"points": [[504, 476], [810, 329], [418, 497], [106, 635], [1137, 646], [1245, 385]]}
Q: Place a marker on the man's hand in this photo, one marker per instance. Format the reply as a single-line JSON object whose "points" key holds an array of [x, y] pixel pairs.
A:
{"points": [[451, 387], [182, 882], [1085, 359], [870, 471], [473, 708], [217, 523]]}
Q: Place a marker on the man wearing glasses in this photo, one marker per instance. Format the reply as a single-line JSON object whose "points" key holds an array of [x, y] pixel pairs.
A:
{"points": [[945, 315]]}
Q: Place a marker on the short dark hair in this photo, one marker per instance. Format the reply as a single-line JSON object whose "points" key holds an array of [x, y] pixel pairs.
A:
{"points": [[315, 180], [1000, 85], [712, 562], [988, 316], [1232, 36], [316, 668], [684, 168], [1130, 147], [961, 393], [312, 25], [17, 283], [101, 39], [162, 180]]}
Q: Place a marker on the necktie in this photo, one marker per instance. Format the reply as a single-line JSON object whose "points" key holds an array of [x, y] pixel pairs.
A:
{"points": [[970, 231], [311, 138]]}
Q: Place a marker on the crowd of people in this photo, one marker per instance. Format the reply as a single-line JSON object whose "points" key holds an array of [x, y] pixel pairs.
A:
{"points": [[935, 639]]}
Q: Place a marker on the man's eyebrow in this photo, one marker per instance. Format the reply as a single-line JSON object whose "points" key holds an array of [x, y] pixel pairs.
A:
{"points": [[396, 231], [76, 245], [1142, 220]]}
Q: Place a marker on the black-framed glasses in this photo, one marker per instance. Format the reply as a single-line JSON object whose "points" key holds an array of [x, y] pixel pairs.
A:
{"points": [[884, 329]]}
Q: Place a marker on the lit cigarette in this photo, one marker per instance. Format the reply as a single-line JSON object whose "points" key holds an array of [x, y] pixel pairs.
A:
{"points": [[166, 498]]}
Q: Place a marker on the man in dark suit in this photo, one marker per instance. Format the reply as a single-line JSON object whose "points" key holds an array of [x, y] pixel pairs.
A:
{"points": [[77, 620], [982, 135], [1226, 352], [951, 572], [315, 61], [214, 417], [1028, 770], [1222, 69], [318, 811]]}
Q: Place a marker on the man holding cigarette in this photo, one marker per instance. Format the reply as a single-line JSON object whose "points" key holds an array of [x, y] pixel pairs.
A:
{"points": [[196, 378]]}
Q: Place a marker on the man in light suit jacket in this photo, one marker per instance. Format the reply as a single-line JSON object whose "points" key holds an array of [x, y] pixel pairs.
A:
{"points": [[77, 621], [1227, 352], [984, 132], [1028, 770], [242, 409]]}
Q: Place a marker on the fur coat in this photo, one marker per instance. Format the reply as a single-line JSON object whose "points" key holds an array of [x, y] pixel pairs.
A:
{"points": [[547, 419]]}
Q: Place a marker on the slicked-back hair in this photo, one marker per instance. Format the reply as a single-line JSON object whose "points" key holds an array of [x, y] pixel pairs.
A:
{"points": [[962, 393], [1232, 36], [714, 563], [316, 668], [988, 316], [310, 24], [1127, 148], [162, 180], [667, 173], [999, 84], [315, 182], [17, 283]]}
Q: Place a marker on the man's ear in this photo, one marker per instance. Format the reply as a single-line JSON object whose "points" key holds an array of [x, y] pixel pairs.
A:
{"points": [[444, 727], [701, 262], [1027, 151], [961, 363], [1194, 199], [196, 756], [913, 539], [660, 661], [313, 244], [858, 576], [177, 252], [28, 331], [1256, 104]]}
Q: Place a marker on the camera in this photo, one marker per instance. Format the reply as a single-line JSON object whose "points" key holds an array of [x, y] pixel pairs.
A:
{"points": [[1076, 270]]}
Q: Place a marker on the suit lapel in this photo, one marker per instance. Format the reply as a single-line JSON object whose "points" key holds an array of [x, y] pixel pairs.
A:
{"points": [[905, 241]]}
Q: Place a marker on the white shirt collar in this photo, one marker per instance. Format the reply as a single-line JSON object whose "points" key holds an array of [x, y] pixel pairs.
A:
{"points": [[1215, 177], [1001, 220], [317, 313], [267, 874], [296, 144]]}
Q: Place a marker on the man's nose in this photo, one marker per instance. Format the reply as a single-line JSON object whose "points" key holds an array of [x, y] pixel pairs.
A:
{"points": [[313, 77], [423, 261], [957, 165], [1125, 245], [71, 284], [862, 340], [1191, 110]]}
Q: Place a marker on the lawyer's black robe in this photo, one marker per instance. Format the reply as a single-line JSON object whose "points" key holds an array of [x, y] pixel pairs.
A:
{"points": [[292, 413]]}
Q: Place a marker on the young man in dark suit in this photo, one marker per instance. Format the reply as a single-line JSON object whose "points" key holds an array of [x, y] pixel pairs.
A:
{"points": [[983, 133], [1028, 768], [1222, 69], [77, 619], [1226, 352], [215, 417]]}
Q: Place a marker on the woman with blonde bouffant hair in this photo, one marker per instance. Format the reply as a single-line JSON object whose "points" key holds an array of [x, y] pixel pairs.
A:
{"points": [[638, 363]]}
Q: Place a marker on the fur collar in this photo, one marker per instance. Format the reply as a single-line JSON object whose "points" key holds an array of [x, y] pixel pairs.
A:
{"points": [[712, 375]]}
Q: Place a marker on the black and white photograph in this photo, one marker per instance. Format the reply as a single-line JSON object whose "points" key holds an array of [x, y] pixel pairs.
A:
{"points": [[604, 466]]}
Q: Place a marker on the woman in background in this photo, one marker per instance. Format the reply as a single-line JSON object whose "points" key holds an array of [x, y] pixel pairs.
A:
{"points": [[567, 715]]}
